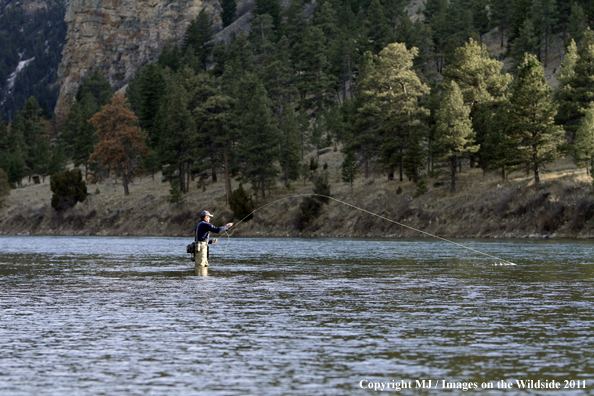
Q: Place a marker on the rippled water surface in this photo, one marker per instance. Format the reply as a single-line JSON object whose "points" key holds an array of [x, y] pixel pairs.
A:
{"points": [[127, 316]]}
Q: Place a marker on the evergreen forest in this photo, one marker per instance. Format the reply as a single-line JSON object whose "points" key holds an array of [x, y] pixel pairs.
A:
{"points": [[407, 96], [31, 39]]}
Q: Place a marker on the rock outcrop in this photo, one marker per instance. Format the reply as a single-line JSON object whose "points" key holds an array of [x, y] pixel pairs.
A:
{"points": [[119, 36]]}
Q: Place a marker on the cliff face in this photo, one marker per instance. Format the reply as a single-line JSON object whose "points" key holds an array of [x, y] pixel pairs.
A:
{"points": [[119, 36]]}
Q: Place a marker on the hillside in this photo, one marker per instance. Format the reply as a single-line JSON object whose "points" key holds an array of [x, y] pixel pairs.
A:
{"points": [[32, 35], [167, 101], [483, 206]]}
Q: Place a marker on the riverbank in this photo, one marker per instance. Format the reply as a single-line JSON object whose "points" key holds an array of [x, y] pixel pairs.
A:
{"points": [[562, 206]]}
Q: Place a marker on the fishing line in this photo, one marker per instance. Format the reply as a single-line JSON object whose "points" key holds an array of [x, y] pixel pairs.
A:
{"points": [[506, 262]]}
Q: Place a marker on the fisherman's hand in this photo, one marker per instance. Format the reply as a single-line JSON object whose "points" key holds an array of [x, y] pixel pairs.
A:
{"points": [[214, 240], [229, 225]]}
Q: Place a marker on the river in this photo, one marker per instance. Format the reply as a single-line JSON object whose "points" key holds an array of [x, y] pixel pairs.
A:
{"points": [[127, 316]]}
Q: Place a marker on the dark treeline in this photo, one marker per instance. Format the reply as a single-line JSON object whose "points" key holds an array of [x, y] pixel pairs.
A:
{"points": [[409, 99], [36, 36]]}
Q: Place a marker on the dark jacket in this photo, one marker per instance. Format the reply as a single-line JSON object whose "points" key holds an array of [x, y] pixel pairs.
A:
{"points": [[203, 230]]}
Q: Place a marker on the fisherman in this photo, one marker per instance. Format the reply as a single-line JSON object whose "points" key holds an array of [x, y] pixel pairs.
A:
{"points": [[201, 233]]}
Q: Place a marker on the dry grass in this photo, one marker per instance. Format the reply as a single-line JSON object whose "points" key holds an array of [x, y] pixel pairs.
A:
{"points": [[483, 206]]}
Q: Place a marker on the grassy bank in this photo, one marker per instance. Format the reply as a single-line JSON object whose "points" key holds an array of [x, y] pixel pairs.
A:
{"points": [[483, 206]]}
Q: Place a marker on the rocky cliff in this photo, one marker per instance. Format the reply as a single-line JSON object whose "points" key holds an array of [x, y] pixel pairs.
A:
{"points": [[119, 36]]}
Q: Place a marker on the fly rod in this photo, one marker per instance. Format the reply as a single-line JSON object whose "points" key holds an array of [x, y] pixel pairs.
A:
{"points": [[507, 262]]}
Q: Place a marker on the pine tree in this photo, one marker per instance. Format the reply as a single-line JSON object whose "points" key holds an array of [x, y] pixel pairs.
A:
{"points": [[170, 55], [97, 87], [419, 35], [566, 114], [576, 90], [577, 23], [4, 186], [16, 169], [394, 90], [314, 81], [363, 119], [278, 79], [567, 68], [440, 35], [270, 7], [583, 145], [4, 145], [42, 157], [134, 91], [496, 145], [544, 16], [480, 79], [421, 188], [501, 11], [16, 151], [262, 37], [433, 8], [378, 30], [199, 35], [84, 144], [216, 123], [531, 118], [177, 136], [219, 57], [121, 142], [229, 7], [78, 133], [520, 13], [480, 17], [349, 169], [152, 163], [325, 18], [296, 23], [152, 86], [454, 136], [240, 60], [58, 160], [289, 145], [176, 195], [33, 129], [259, 135], [241, 204], [414, 157], [342, 58]]}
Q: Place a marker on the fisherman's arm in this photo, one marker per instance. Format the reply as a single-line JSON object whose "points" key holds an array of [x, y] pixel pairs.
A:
{"points": [[218, 230]]}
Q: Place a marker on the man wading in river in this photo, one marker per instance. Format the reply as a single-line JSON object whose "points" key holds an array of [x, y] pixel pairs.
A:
{"points": [[201, 232]]}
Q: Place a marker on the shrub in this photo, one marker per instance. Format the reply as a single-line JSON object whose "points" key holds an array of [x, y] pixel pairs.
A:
{"points": [[4, 186], [421, 188], [399, 190], [583, 214], [16, 170], [68, 188], [175, 192], [552, 218], [241, 204], [322, 187], [311, 207]]}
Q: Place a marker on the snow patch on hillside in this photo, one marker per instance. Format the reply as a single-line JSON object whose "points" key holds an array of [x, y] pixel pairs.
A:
{"points": [[13, 76]]}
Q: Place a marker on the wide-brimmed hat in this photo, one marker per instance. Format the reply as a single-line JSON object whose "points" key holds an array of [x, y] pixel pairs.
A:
{"points": [[205, 213]]}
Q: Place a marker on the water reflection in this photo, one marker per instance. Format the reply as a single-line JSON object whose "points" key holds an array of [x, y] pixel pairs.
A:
{"points": [[125, 316]]}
